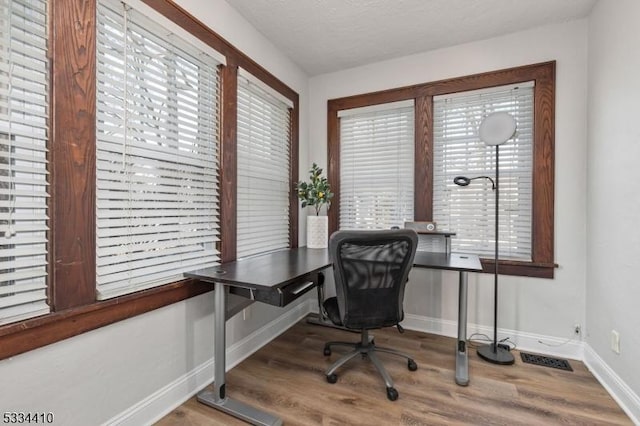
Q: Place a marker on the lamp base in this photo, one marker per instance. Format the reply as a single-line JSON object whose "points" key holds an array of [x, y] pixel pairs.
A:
{"points": [[495, 355]]}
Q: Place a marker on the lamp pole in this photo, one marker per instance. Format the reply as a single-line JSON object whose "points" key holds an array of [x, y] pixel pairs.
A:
{"points": [[494, 353], [495, 129]]}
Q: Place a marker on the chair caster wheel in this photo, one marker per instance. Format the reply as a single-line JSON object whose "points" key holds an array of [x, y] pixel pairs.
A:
{"points": [[392, 394], [412, 366], [332, 378], [327, 351]]}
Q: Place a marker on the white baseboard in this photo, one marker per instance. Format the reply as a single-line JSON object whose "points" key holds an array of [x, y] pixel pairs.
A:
{"points": [[165, 400], [529, 342], [617, 388], [162, 402]]}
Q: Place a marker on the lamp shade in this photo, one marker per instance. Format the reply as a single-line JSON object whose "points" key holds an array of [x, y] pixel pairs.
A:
{"points": [[497, 128]]}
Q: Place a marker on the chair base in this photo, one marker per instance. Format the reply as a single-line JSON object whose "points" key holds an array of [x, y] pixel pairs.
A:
{"points": [[367, 349]]}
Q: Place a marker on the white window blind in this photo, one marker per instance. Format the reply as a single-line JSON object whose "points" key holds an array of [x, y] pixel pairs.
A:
{"points": [[458, 151], [157, 153], [24, 111], [377, 166], [264, 185]]}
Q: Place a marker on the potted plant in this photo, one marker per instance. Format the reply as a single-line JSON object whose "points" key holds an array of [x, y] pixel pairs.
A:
{"points": [[316, 193]]}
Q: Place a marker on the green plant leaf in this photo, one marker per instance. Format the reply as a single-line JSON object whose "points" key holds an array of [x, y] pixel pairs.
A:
{"points": [[316, 192]]}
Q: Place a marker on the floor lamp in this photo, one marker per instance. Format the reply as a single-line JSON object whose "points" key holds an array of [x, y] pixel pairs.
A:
{"points": [[496, 129]]}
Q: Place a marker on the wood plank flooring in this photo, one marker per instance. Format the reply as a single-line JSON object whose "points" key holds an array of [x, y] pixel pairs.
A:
{"points": [[286, 378]]}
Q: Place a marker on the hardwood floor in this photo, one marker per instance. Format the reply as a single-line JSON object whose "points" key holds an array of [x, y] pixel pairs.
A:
{"points": [[286, 378]]}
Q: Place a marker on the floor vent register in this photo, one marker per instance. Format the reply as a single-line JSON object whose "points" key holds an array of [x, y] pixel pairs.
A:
{"points": [[546, 361]]}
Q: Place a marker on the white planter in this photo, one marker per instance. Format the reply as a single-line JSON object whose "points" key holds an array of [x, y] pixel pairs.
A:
{"points": [[317, 231]]}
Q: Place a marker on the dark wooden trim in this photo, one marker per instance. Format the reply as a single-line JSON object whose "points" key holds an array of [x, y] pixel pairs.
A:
{"points": [[72, 154], [33, 333], [423, 169], [333, 167], [375, 98], [544, 160], [544, 147], [294, 139], [489, 79], [518, 268], [229, 163]]}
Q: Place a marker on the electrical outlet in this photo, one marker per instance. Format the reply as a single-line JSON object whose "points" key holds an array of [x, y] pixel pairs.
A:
{"points": [[615, 341], [577, 329]]}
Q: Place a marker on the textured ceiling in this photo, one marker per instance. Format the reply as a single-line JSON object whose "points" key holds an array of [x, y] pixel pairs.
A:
{"points": [[329, 35]]}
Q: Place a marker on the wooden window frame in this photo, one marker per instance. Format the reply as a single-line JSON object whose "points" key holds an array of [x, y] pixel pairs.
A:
{"points": [[542, 227], [72, 265]]}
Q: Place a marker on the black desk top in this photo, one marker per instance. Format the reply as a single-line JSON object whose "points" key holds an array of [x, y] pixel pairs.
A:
{"points": [[267, 271], [278, 269], [451, 262]]}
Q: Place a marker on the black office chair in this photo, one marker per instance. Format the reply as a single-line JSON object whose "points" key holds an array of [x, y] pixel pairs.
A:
{"points": [[371, 269]]}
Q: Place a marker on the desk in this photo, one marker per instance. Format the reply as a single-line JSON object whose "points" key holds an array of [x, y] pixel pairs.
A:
{"points": [[281, 277], [276, 278]]}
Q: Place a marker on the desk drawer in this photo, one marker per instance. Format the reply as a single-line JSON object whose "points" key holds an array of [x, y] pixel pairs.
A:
{"points": [[285, 295], [279, 296]]}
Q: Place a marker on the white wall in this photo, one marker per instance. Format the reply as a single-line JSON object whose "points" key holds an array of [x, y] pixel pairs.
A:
{"points": [[90, 378], [613, 208], [528, 305]]}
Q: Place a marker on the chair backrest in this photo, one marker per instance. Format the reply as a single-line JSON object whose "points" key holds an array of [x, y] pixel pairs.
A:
{"points": [[371, 269]]}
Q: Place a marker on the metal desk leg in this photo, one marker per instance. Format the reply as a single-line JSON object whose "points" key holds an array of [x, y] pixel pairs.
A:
{"points": [[320, 318], [217, 399], [462, 359]]}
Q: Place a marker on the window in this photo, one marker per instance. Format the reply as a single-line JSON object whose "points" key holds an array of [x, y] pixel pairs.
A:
{"points": [[447, 116], [24, 115], [63, 133], [157, 153], [264, 166], [458, 151], [376, 166]]}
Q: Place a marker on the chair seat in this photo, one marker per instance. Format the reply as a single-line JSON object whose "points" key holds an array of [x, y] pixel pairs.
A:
{"points": [[333, 313], [331, 308]]}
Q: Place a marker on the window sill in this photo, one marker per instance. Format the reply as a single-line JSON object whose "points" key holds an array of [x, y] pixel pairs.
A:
{"points": [[23, 336], [519, 268]]}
